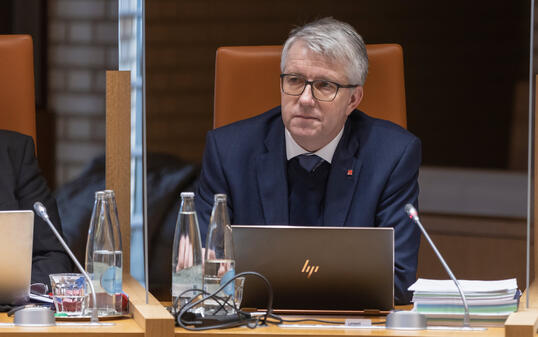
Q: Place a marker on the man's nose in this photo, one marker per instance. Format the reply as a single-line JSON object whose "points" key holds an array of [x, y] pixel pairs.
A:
{"points": [[306, 97]]}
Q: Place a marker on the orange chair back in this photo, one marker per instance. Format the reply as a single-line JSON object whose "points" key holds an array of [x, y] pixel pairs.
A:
{"points": [[17, 93], [247, 83]]}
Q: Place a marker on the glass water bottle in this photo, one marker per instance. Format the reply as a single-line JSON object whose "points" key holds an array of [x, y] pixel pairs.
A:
{"points": [[118, 253], [186, 253], [219, 260], [101, 255]]}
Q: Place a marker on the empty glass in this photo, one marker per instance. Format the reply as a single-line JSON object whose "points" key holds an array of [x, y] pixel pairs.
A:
{"points": [[239, 284]]}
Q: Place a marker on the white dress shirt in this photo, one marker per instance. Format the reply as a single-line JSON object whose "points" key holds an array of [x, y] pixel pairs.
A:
{"points": [[327, 152]]}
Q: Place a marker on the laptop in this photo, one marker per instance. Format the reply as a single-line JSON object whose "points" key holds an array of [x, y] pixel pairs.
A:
{"points": [[336, 270], [16, 240]]}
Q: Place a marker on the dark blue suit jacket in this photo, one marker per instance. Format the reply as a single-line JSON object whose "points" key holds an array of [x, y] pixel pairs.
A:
{"points": [[247, 161]]}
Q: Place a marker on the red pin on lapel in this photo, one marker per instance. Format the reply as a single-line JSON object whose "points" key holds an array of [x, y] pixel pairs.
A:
{"points": [[349, 172]]}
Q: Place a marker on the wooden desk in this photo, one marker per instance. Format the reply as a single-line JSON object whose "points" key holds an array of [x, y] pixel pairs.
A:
{"points": [[148, 320], [152, 319], [285, 332], [123, 327], [272, 331]]}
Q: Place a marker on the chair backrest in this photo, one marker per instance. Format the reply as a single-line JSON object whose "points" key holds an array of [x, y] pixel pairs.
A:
{"points": [[17, 91], [247, 83]]}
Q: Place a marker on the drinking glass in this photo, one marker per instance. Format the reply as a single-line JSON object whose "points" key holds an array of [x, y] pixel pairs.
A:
{"points": [[69, 293], [239, 283]]}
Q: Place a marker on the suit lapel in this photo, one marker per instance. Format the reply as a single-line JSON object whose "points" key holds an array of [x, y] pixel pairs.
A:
{"points": [[343, 178], [272, 177]]}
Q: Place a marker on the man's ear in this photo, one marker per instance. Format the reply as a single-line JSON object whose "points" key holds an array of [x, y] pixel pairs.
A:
{"points": [[355, 99]]}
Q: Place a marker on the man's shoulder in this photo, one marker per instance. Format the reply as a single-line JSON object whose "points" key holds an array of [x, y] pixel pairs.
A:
{"points": [[13, 136], [13, 140], [371, 127], [15, 148], [253, 127], [239, 144]]}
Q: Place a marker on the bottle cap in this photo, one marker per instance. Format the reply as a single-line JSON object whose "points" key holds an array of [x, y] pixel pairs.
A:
{"points": [[220, 197], [100, 194], [109, 192], [187, 194]]}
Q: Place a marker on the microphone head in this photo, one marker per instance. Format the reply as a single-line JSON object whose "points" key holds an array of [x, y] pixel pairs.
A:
{"points": [[40, 210], [411, 211]]}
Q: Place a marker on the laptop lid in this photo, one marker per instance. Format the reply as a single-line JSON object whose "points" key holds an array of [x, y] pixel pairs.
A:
{"points": [[16, 240], [344, 269]]}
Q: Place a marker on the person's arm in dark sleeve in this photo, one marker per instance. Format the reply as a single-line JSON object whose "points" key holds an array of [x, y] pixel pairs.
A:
{"points": [[212, 181], [401, 189], [48, 254]]}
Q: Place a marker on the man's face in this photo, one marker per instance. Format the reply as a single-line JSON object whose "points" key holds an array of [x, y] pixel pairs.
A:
{"points": [[312, 123]]}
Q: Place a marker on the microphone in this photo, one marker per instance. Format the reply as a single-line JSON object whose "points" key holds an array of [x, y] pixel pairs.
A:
{"points": [[412, 212], [42, 213], [413, 215]]}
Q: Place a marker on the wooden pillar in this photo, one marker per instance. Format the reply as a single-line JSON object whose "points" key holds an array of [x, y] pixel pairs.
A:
{"points": [[118, 152], [534, 200], [525, 322], [152, 317]]}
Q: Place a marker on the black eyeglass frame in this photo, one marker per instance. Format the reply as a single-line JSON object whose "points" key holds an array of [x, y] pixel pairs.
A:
{"points": [[311, 83]]}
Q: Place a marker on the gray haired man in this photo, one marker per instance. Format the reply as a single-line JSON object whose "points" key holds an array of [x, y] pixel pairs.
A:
{"points": [[316, 160]]}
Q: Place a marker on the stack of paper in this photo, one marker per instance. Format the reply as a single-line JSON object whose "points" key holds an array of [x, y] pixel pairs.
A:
{"points": [[490, 302]]}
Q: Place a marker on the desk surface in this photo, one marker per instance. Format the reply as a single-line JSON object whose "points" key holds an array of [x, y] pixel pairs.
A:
{"points": [[123, 327], [152, 320], [281, 332], [128, 327], [273, 330], [149, 320]]}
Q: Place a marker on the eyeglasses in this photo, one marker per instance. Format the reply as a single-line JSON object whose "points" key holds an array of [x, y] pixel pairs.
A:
{"points": [[322, 90]]}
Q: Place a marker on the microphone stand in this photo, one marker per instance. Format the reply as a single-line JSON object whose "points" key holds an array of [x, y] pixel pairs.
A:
{"points": [[42, 212], [413, 214]]}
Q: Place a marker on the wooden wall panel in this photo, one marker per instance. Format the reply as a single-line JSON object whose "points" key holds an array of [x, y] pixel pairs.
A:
{"points": [[457, 58], [474, 248]]}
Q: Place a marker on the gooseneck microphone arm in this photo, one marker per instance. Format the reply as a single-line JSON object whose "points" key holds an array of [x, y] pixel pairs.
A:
{"points": [[42, 212], [413, 214]]}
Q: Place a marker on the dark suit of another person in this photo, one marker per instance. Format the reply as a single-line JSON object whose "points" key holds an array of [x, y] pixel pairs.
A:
{"points": [[372, 177], [21, 184]]}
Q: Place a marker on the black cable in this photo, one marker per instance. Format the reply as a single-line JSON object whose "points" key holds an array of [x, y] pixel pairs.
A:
{"points": [[286, 320], [242, 318], [318, 320], [173, 309], [311, 320]]}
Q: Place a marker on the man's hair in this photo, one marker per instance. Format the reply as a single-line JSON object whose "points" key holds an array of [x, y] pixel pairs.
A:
{"points": [[336, 40]]}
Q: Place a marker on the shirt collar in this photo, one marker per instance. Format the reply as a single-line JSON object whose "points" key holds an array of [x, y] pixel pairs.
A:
{"points": [[327, 152]]}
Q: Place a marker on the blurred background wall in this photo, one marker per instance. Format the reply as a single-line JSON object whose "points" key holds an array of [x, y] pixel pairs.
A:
{"points": [[466, 73], [463, 63]]}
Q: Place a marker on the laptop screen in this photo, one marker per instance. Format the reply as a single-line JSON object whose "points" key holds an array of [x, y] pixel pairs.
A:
{"points": [[17, 228], [317, 268]]}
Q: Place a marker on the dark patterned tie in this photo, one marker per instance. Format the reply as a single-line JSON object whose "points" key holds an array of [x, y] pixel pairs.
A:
{"points": [[309, 162]]}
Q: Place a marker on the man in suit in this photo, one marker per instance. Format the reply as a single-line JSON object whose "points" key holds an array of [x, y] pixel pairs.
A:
{"points": [[21, 184], [316, 160]]}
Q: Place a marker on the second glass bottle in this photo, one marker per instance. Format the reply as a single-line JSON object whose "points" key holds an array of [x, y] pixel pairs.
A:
{"points": [[219, 260]]}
